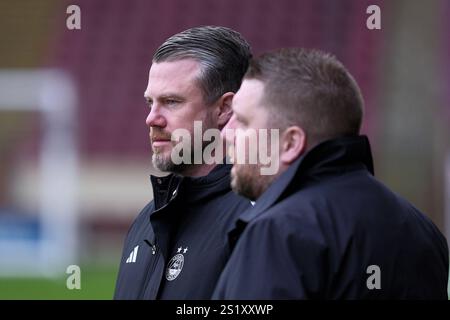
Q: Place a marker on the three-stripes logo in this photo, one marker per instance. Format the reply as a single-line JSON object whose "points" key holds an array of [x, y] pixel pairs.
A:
{"points": [[133, 255]]}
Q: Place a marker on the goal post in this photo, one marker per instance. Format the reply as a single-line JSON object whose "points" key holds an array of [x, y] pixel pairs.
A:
{"points": [[52, 93]]}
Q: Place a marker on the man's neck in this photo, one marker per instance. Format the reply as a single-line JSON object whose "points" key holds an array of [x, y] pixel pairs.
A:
{"points": [[201, 170], [198, 170]]}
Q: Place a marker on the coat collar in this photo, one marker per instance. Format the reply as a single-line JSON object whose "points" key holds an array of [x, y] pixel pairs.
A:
{"points": [[328, 158], [166, 188]]}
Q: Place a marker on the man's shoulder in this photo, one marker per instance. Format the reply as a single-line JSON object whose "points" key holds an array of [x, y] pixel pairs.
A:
{"points": [[341, 201], [354, 205], [142, 220], [146, 211], [295, 207], [232, 199], [317, 209], [288, 219]]}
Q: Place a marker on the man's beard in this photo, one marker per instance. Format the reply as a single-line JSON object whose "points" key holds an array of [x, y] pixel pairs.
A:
{"points": [[246, 180], [160, 159], [163, 160]]}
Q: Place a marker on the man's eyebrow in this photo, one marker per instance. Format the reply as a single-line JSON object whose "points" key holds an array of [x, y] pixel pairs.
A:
{"points": [[170, 96], [165, 96]]}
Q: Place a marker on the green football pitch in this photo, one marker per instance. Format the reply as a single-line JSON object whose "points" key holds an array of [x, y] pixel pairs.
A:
{"points": [[97, 283]]}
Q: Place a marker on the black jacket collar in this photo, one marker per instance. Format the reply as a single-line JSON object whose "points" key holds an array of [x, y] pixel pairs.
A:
{"points": [[167, 187], [328, 158], [174, 193]]}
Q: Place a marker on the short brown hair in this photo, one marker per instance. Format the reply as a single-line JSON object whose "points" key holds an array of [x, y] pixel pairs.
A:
{"points": [[311, 89], [222, 53]]}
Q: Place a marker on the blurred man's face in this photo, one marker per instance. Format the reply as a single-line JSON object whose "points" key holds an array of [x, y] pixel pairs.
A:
{"points": [[175, 102], [249, 117]]}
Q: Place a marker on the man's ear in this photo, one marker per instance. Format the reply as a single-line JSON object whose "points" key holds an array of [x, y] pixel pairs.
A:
{"points": [[224, 110], [293, 144]]}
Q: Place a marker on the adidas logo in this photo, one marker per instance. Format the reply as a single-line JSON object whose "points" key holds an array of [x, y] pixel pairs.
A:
{"points": [[133, 255]]}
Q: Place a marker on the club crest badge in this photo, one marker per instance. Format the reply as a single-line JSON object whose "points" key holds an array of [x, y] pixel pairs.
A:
{"points": [[174, 267]]}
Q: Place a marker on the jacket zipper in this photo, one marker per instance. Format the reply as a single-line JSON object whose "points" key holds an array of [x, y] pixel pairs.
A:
{"points": [[151, 269], [155, 249]]}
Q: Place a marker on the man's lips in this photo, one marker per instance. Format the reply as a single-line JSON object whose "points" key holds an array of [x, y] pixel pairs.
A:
{"points": [[158, 142]]}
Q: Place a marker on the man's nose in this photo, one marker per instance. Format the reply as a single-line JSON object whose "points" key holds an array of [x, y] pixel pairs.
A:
{"points": [[155, 118]]}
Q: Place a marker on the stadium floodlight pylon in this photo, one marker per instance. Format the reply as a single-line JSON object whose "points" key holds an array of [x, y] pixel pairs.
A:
{"points": [[53, 93]]}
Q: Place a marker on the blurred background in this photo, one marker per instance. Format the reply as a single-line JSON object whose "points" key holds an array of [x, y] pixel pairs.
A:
{"points": [[75, 158]]}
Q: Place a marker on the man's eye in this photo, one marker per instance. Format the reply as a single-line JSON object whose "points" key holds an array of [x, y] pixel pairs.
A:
{"points": [[171, 101]]}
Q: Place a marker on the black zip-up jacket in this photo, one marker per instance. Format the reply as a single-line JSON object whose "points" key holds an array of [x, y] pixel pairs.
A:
{"points": [[327, 229], [177, 246]]}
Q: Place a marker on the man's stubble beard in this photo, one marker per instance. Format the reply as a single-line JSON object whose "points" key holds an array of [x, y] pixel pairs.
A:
{"points": [[247, 181], [160, 158], [164, 163]]}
